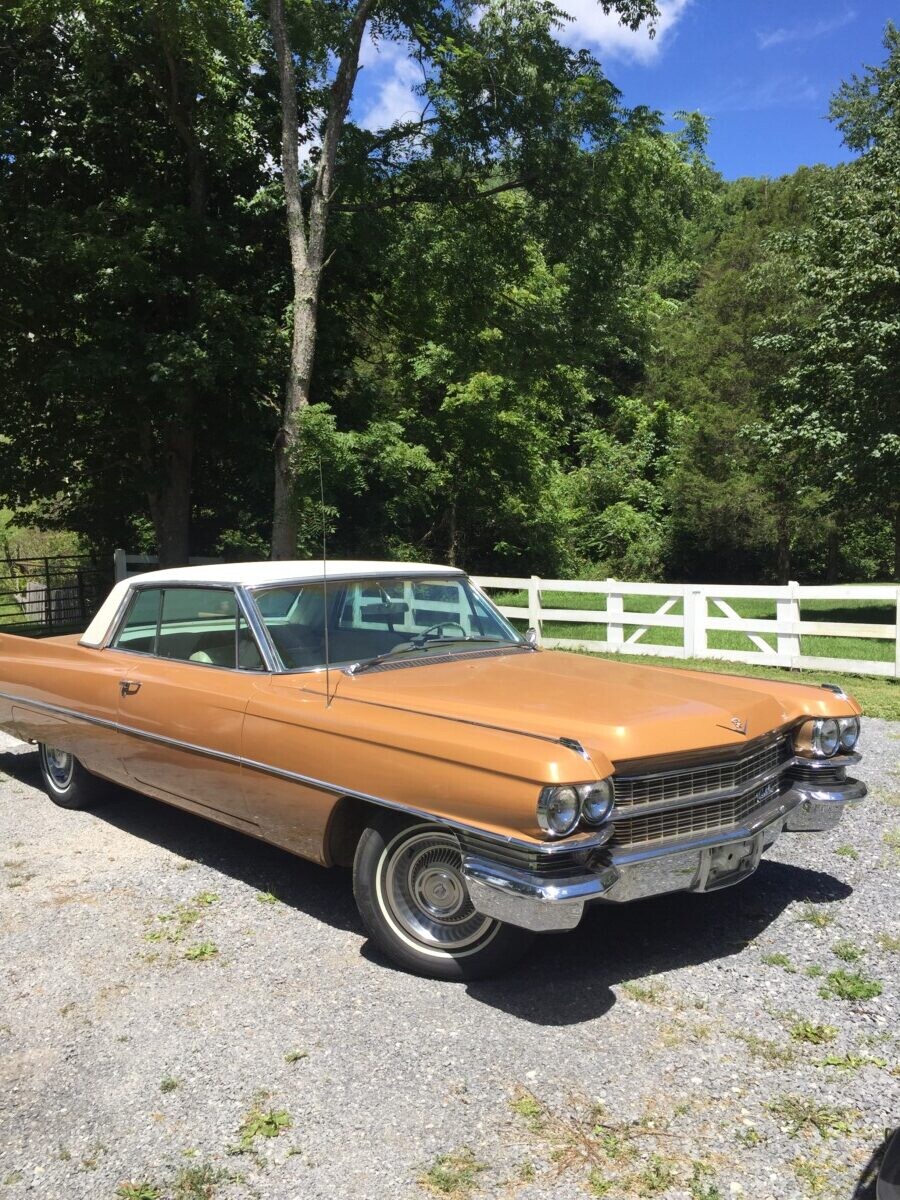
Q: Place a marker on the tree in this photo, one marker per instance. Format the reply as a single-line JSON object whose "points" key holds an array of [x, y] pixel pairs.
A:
{"points": [[136, 325], [838, 400], [505, 95]]}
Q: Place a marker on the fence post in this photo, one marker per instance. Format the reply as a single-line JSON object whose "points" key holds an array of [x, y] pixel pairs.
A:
{"points": [[120, 565], [48, 596], [897, 634], [615, 604], [695, 613], [788, 644], [534, 606]]}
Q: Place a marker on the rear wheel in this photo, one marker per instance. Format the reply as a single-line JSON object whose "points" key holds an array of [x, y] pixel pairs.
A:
{"points": [[66, 781], [412, 896]]}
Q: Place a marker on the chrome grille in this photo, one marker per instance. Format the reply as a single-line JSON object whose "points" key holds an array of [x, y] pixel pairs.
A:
{"points": [[688, 821], [701, 781]]}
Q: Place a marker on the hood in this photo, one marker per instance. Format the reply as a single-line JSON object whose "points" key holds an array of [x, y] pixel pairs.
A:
{"points": [[616, 710]]}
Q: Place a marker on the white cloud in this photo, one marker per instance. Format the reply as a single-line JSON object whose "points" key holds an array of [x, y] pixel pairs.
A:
{"points": [[396, 74], [601, 31], [779, 91], [804, 33]]}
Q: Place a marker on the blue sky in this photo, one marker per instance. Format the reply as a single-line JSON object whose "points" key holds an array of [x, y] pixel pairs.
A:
{"points": [[762, 70]]}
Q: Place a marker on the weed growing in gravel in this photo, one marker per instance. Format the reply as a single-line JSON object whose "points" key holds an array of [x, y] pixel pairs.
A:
{"points": [[849, 985], [848, 951], [293, 1056], [701, 1185], [849, 1061], [649, 993], [657, 1176], [847, 852], [749, 1136], [528, 1107], [889, 942], [138, 1191], [779, 960], [597, 1185], [799, 1114], [452, 1174], [810, 1031], [526, 1171], [267, 898], [767, 1051], [819, 918], [175, 923], [197, 1182], [892, 839], [814, 970], [206, 898], [168, 1083], [266, 1123], [201, 952], [813, 1174]]}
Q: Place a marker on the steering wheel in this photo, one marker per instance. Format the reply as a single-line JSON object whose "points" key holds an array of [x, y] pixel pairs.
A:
{"points": [[438, 627]]}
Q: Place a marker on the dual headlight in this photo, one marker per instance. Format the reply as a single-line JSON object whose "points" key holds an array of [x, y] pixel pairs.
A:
{"points": [[561, 808], [825, 736]]}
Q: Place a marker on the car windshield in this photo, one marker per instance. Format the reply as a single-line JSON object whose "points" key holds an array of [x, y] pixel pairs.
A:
{"points": [[371, 618]]}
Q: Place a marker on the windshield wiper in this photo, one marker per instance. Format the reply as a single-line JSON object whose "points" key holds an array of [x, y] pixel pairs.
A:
{"points": [[407, 648]]}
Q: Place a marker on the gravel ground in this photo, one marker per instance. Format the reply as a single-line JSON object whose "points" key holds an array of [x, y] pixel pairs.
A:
{"points": [[649, 1052]]}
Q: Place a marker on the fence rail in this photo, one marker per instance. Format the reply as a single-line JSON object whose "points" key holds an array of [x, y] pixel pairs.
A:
{"points": [[53, 594], [773, 638]]}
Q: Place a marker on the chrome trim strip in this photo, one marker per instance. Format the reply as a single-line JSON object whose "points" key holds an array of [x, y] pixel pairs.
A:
{"points": [[258, 629], [826, 764], [587, 841]]}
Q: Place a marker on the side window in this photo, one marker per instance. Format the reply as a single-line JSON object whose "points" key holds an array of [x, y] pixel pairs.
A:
{"points": [[138, 631], [199, 625]]}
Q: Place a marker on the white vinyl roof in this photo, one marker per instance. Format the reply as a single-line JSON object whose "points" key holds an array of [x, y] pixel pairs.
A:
{"points": [[252, 574]]}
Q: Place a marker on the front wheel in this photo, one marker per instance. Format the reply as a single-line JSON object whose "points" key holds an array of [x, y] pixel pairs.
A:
{"points": [[413, 899], [66, 781]]}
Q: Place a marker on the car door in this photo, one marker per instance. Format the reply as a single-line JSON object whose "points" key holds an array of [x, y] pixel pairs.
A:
{"points": [[189, 665]]}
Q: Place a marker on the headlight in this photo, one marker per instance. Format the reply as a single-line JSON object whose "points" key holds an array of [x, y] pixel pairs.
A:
{"points": [[819, 739], [849, 732], [596, 801], [558, 810]]}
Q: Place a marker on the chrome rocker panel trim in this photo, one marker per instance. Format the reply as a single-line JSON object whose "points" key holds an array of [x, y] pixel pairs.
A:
{"points": [[701, 864]]}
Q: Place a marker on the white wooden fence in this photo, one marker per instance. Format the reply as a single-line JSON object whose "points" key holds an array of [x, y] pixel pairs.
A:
{"points": [[770, 641], [126, 564]]}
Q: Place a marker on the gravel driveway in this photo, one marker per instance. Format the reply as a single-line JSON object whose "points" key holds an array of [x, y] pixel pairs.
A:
{"points": [[171, 993]]}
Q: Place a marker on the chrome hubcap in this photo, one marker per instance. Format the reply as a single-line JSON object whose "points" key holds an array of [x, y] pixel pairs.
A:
{"points": [[60, 766], [426, 893]]}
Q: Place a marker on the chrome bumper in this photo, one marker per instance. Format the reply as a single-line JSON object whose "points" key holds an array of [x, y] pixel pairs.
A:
{"points": [[716, 860]]}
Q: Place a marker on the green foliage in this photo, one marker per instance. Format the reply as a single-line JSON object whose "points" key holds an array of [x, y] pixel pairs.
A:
{"points": [[849, 985], [550, 338]]}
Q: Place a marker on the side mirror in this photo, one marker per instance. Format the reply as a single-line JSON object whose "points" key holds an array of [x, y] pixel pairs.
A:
{"points": [[531, 637]]}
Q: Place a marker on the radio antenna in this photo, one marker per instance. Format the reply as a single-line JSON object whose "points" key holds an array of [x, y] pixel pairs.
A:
{"points": [[325, 586]]}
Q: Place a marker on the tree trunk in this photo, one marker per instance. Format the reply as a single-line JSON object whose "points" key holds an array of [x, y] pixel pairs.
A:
{"points": [[834, 553], [783, 557], [170, 504], [306, 239]]}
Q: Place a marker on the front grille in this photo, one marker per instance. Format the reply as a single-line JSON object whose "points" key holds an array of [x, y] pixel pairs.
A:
{"points": [[689, 821], [823, 776], [702, 781]]}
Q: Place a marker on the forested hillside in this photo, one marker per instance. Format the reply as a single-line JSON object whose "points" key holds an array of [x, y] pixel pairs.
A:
{"points": [[550, 339]]}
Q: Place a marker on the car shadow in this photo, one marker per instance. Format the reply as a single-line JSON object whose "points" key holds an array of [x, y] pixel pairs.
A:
{"points": [[564, 980]]}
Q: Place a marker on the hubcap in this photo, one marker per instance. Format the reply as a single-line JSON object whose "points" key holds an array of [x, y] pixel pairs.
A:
{"points": [[426, 893], [60, 766]]}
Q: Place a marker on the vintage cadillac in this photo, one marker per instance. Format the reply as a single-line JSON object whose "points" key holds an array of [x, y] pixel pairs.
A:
{"points": [[388, 717]]}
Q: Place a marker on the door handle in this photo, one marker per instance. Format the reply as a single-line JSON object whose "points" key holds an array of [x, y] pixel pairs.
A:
{"points": [[128, 687]]}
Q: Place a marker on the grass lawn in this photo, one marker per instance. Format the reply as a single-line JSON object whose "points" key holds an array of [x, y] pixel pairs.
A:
{"points": [[879, 697]]}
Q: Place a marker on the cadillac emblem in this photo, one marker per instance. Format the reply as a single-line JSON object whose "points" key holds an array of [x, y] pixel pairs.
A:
{"points": [[738, 725]]}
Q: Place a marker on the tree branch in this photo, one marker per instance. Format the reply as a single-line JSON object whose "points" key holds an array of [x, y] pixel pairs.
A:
{"points": [[290, 152]]}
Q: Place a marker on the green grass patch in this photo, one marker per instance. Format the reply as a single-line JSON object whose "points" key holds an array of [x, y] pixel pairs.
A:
{"points": [[453, 1175], [849, 985]]}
